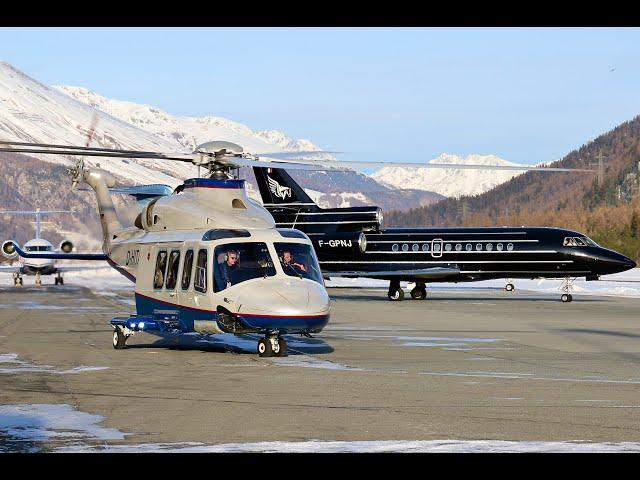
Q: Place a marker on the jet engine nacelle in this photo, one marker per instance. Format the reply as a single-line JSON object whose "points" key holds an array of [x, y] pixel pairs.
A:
{"points": [[341, 243], [66, 246], [9, 249]]}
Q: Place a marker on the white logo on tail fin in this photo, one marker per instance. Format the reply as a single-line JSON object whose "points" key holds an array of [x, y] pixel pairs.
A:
{"points": [[277, 189]]}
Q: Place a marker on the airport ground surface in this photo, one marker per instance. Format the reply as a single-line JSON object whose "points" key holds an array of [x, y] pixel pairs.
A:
{"points": [[462, 365]]}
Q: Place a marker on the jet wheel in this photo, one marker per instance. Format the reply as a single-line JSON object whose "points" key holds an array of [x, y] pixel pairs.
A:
{"points": [[396, 295], [119, 339], [509, 287], [566, 298], [419, 293]]}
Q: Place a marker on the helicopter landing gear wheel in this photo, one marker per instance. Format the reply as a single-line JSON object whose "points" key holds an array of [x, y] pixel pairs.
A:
{"points": [[566, 298], [395, 293], [283, 348], [272, 346], [509, 287], [419, 292], [119, 338]]}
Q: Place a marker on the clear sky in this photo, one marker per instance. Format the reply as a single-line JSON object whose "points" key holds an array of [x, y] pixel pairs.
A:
{"points": [[525, 94]]}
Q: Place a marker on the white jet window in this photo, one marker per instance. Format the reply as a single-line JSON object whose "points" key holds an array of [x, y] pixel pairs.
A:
{"points": [[458, 247], [447, 247], [425, 247], [468, 247], [415, 247], [405, 247], [499, 247], [489, 246], [394, 247], [509, 246], [478, 246]]}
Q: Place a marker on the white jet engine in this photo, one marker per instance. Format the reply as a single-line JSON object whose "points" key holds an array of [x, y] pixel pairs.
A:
{"points": [[65, 246], [9, 249]]}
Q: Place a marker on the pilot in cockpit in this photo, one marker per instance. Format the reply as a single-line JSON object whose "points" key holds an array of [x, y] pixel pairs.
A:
{"points": [[229, 268], [290, 266]]}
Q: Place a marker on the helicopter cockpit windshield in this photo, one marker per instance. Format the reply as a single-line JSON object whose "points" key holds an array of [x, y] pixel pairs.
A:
{"points": [[298, 260], [238, 262]]}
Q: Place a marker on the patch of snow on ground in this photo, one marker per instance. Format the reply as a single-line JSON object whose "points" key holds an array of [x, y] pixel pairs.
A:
{"points": [[625, 284], [401, 446], [15, 365], [47, 422]]}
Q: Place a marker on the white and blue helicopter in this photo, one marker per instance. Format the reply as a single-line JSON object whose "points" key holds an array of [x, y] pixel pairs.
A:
{"points": [[206, 258], [37, 266]]}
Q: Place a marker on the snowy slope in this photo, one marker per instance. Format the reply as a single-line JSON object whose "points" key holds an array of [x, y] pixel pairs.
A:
{"points": [[448, 182], [184, 133]]}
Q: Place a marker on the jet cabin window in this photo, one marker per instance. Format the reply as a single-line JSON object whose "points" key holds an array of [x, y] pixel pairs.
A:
{"points": [[238, 262], [298, 260], [161, 266]]}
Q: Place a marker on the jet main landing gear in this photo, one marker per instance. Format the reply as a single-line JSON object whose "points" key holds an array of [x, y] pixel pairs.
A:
{"points": [[17, 280], [395, 293], [419, 292], [59, 280], [272, 345], [38, 279]]}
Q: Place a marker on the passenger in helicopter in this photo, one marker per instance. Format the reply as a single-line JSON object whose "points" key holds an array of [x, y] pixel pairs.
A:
{"points": [[291, 267]]}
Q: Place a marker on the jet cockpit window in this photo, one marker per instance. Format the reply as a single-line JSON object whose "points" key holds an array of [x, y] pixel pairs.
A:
{"points": [[238, 262], [578, 242], [38, 248], [298, 260]]}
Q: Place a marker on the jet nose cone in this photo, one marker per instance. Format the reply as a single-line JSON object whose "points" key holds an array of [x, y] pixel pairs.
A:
{"points": [[619, 263]]}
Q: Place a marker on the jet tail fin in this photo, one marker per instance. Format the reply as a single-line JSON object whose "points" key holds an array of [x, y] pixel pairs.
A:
{"points": [[278, 188]]}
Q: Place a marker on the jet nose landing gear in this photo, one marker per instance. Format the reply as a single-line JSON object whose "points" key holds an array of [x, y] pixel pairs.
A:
{"points": [[272, 346]]}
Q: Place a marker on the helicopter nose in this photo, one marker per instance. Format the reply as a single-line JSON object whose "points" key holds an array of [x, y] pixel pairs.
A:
{"points": [[289, 306]]}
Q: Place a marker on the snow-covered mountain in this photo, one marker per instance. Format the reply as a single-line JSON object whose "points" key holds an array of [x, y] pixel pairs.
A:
{"points": [[185, 133], [450, 182]]}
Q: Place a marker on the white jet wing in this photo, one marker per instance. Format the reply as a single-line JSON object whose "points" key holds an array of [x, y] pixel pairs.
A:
{"points": [[7, 268]]}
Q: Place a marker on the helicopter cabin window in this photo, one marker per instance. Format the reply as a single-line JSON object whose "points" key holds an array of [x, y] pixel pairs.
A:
{"points": [[238, 262], [161, 267], [200, 282], [172, 269], [299, 260], [186, 269]]}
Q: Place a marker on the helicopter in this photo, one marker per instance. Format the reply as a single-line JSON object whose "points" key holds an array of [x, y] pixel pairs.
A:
{"points": [[178, 247]]}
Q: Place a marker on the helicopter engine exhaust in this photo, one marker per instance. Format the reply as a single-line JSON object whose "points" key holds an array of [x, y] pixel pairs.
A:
{"points": [[9, 249]]}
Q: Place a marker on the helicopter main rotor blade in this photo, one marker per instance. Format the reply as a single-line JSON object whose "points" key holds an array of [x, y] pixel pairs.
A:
{"points": [[101, 153], [342, 164]]}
